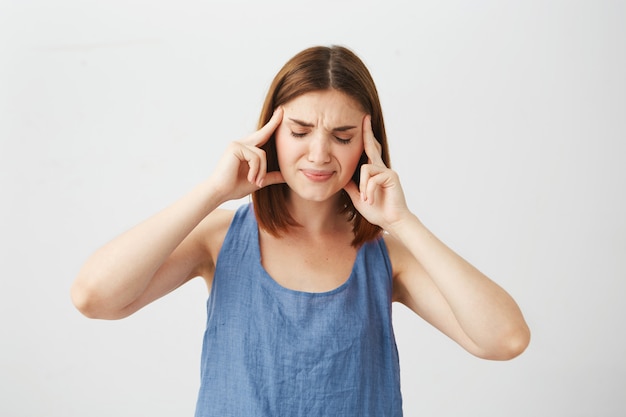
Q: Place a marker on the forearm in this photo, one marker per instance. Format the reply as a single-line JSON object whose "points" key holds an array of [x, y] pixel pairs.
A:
{"points": [[487, 314], [119, 272]]}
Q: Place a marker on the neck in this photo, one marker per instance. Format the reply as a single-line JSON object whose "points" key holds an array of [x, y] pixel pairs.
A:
{"points": [[315, 217]]}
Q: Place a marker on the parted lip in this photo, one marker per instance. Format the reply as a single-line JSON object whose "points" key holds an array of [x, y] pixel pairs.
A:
{"points": [[317, 174]]}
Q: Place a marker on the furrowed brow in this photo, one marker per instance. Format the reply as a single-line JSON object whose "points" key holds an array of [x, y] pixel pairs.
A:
{"points": [[343, 128], [336, 129], [302, 123]]}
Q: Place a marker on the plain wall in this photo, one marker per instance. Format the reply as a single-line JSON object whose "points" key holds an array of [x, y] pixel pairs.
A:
{"points": [[506, 122]]}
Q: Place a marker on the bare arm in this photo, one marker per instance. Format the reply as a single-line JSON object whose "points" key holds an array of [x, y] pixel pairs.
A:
{"points": [[146, 262], [178, 243], [454, 296], [430, 278]]}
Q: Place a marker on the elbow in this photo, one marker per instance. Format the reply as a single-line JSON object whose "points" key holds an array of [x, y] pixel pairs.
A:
{"points": [[90, 302], [515, 347], [85, 301], [509, 345]]}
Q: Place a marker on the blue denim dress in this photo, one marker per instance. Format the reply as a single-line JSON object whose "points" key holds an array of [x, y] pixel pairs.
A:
{"points": [[269, 351]]}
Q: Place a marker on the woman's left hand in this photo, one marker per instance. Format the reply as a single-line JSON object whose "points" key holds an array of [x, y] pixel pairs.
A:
{"points": [[379, 197]]}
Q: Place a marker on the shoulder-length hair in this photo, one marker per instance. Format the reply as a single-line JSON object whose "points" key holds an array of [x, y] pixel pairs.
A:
{"points": [[314, 69]]}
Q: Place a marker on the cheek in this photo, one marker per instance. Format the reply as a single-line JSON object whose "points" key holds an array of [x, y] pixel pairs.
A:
{"points": [[352, 161], [288, 150]]}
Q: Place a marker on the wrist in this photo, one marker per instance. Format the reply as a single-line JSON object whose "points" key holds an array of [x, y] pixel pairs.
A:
{"points": [[406, 223], [209, 194]]}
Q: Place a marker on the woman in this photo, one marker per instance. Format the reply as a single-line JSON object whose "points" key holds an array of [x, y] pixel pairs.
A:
{"points": [[302, 279]]}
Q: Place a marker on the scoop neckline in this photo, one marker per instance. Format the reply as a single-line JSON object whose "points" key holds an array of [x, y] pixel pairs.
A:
{"points": [[282, 288]]}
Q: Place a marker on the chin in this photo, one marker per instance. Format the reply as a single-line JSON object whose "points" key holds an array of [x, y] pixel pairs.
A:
{"points": [[314, 192], [316, 196]]}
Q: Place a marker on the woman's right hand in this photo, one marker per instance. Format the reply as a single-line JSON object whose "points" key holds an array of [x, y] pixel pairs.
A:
{"points": [[169, 248], [242, 168]]}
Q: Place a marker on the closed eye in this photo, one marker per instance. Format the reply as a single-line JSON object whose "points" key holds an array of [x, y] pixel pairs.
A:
{"points": [[343, 141]]}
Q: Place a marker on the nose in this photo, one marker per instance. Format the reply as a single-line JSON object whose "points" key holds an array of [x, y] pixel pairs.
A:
{"points": [[319, 149]]}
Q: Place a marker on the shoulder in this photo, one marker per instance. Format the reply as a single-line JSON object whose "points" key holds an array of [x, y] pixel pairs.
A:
{"points": [[214, 227], [399, 255], [209, 236], [406, 270]]}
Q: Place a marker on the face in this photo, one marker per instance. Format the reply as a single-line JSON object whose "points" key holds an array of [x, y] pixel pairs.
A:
{"points": [[319, 143]]}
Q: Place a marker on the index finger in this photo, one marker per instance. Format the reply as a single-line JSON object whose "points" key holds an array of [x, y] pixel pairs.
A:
{"points": [[262, 135], [372, 147]]}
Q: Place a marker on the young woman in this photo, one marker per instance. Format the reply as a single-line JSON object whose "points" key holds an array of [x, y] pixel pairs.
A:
{"points": [[302, 279]]}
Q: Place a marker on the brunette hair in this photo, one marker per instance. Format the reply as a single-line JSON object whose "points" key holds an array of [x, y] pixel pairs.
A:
{"points": [[315, 69]]}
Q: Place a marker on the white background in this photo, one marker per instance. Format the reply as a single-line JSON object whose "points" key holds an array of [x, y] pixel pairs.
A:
{"points": [[506, 122]]}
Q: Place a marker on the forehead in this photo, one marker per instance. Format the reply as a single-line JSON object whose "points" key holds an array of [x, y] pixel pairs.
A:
{"points": [[326, 105]]}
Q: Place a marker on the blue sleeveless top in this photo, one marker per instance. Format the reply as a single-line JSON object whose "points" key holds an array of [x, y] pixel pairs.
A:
{"points": [[269, 351]]}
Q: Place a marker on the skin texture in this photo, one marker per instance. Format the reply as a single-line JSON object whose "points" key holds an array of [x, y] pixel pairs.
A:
{"points": [[319, 143], [183, 241]]}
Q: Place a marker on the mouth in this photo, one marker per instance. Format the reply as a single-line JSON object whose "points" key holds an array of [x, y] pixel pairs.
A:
{"points": [[317, 175]]}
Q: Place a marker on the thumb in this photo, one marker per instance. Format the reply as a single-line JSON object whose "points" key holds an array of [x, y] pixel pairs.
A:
{"points": [[271, 178], [353, 192]]}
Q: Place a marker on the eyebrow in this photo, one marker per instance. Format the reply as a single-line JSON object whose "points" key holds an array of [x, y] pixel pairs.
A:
{"points": [[336, 129]]}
